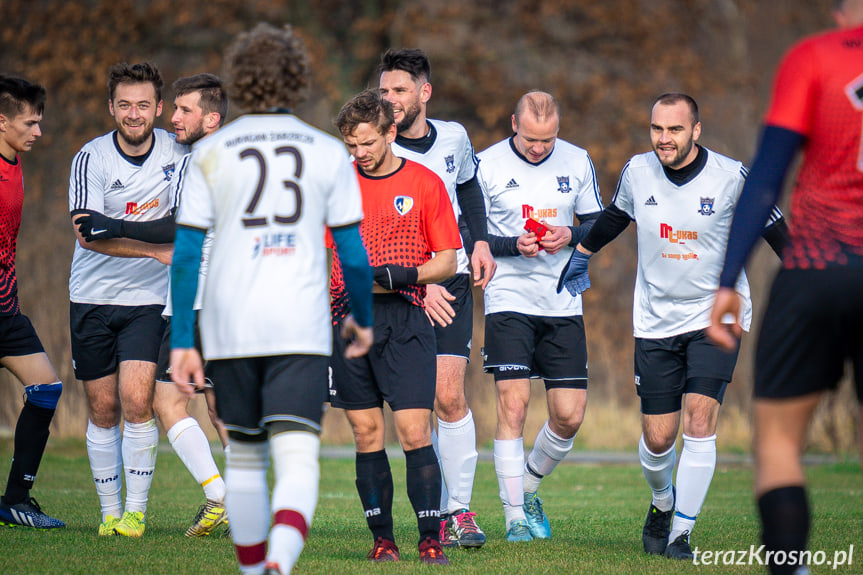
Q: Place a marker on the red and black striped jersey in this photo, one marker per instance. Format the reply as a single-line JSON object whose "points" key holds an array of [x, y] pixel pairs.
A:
{"points": [[11, 200], [818, 93], [407, 216]]}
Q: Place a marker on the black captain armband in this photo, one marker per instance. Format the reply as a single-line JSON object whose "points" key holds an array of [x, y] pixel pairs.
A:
{"points": [[393, 276]]}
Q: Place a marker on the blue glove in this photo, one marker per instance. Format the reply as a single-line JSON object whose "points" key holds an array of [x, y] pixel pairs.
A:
{"points": [[574, 275]]}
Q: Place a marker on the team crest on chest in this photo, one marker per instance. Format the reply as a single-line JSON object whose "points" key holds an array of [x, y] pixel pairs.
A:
{"points": [[168, 170], [403, 204], [563, 184], [707, 207], [450, 164]]}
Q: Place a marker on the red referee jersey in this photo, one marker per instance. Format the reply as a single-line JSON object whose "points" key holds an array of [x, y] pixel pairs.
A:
{"points": [[407, 216], [11, 200], [818, 93]]}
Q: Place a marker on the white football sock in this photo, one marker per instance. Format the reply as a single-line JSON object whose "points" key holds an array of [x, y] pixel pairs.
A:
{"points": [[191, 446], [295, 495], [549, 449], [247, 502], [140, 444], [444, 494], [658, 470], [509, 466], [106, 463], [694, 474], [458, 456]]}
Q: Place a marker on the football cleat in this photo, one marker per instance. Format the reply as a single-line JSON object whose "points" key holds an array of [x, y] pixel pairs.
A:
{"points": [[210, 515], [518, 531], [657, 526], [131, 524], [383, 551], [679, 548], [537, 521], [461, 530], [446, 539], [27, 514], [431, 552], [272, 568], [106, 528]]}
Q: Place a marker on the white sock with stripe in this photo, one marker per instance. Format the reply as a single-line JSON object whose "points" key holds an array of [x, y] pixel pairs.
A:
{"points": [[694, 474], [191, 446], [549, 449], [248, 503]]}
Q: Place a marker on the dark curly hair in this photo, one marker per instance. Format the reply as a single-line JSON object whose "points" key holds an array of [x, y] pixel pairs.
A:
{"points": [[267, 68], [367, 107]]}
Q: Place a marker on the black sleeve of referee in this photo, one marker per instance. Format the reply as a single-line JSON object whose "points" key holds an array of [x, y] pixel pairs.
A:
{"points": [[503, 245], [159, 231], [610, 224], [472, 206], [777, 236], [579, 232]]}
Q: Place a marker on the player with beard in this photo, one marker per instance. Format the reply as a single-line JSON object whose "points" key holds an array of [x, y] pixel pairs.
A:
{"points": [[200, 108], [444, 148], [682, 197], [118, 288], [21, 352]]}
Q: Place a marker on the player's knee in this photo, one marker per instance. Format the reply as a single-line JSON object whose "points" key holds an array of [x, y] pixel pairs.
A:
{"points": [[659, 441], [45, 396]]}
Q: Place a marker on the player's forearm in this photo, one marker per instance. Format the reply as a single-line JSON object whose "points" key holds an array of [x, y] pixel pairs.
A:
{"points": [[126, 248], [441, 267], [610, 224]]}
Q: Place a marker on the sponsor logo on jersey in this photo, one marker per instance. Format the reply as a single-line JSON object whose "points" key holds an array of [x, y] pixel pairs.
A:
{"points": [[274, 244], [666, 232], [168, 170], [512, 184], [3, 178], [563, 184], [528, 211], [707, 207], [134, 208], [403, 204], [650, 202], [117, 185], [450, 164]]}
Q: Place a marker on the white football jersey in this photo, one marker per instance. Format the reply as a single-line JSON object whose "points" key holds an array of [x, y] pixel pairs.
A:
{"points": [[104, 181], [205, 252], [451, 157], [558, 188], [682, 234], [267, 185]]}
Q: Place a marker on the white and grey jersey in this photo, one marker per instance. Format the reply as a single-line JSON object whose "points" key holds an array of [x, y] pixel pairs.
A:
{"points": [[268, 185], [682, 234], [205, 251], [555, 190], [451, 157], [103, 180]]}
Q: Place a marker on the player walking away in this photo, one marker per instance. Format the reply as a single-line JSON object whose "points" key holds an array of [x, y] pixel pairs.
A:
{"points": [[531, 331], [200, 108], [408, 216], [444, 148], [682, 197], [117, 289], [267, 185], [813, 318], [21, 352]]}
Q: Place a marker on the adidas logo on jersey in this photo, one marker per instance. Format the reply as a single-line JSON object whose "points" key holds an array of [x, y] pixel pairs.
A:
{"points": [[117, 185], [512, 184], [650, 202]]}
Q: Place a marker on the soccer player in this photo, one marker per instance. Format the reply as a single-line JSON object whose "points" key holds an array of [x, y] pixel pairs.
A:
{"points": [[200, 108], [682, 197], [444, 148], [408, 216], [21, 352], [117, 289], [267, 185], [531, 331], [812, 323]]}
